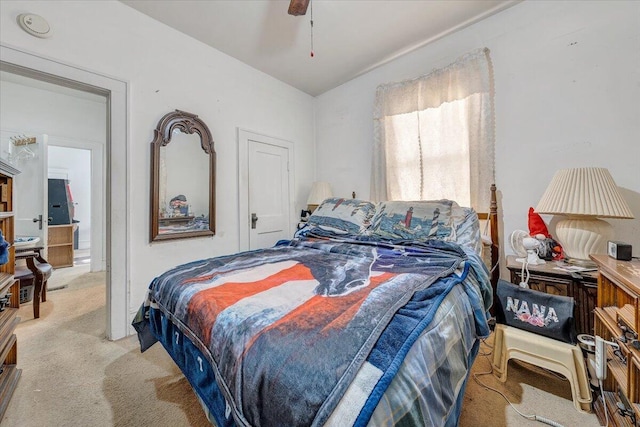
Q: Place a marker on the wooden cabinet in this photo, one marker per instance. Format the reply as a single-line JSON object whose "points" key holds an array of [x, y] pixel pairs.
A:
{"points": [[9, 293], [617, 318], [60, 245], [546, 278]]}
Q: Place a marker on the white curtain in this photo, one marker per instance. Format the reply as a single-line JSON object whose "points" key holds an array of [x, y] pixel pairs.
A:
{"points": [[434, 135]]}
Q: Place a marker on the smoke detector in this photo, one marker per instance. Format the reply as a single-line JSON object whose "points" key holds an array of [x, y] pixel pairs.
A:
{"points": [[35, 25]]}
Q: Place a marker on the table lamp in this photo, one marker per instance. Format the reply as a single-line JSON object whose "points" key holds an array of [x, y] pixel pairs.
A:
{"points": [[319, 191], [583, 195]]}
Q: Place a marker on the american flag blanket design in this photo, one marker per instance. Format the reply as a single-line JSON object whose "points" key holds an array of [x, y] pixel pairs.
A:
{"points": [[286, 330]]}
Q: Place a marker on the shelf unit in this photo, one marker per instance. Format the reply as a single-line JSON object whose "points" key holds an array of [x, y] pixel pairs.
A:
{"points": [[618, 307], [60, 245], [9, 290]]}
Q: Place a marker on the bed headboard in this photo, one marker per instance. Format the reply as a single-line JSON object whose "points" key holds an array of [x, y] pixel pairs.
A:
{"points": [[492, 217]]}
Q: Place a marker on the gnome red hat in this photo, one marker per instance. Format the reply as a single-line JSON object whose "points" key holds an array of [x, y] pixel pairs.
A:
{"points": [[537, 225]]}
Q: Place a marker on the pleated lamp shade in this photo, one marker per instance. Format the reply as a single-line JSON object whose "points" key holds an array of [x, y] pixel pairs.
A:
{"points": [[583, 194], [584, 191], [319, 191]]}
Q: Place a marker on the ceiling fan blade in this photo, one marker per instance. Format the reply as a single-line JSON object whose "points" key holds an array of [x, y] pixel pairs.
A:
{"points": [[298, 7]]}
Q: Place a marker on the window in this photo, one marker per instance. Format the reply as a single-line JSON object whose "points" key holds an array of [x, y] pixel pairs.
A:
{"points": [[434, 135]]}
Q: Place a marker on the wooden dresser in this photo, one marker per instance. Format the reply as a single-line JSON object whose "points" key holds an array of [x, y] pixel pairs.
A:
{"points": [[9, 293], [617, 318], [546, 278]]}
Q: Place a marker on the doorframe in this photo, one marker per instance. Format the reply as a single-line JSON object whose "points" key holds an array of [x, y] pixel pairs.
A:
{"points": [[244, 218], [117, 170], [98, 199]]}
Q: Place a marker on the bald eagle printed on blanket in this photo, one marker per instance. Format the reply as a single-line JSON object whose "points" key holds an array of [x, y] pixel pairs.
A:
{"points": [[287, 328]]}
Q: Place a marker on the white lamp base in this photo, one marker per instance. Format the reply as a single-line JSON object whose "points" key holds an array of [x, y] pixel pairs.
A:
{"points": [[583, 236]]}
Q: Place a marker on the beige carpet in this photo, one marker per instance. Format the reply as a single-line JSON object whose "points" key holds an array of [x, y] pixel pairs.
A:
{"points": [[533, 391], [72, 376]]}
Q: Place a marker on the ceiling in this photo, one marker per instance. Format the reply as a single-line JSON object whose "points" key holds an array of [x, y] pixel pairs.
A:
{"points": [[350, 37]]}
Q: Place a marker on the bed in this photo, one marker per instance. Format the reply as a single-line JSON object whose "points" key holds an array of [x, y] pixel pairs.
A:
{"points": [[370, 315], [181, 224]]}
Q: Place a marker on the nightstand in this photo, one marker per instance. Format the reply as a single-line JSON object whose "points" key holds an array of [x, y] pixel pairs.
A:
{"points": [[583, 287]]}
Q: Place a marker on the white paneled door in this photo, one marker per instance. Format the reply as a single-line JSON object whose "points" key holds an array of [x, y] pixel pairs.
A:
{"points": [[269, 198], [31, 190]]}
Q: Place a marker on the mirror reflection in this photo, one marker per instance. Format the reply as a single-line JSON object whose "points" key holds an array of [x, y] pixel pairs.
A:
{"points": [[184, 177]]}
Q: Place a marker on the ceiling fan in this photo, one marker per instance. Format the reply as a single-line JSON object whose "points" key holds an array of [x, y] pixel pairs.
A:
{"points": [[298, 7]]}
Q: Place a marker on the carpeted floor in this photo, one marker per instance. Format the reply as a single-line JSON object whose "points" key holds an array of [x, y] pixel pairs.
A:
{"points": [[533, 391], [72, 376]]}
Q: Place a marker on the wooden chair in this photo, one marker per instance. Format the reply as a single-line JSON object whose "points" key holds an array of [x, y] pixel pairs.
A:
{"points": [[36, 272]]}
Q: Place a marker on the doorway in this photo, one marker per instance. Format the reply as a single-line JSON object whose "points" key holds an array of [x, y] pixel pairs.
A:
{"points": [[115, 166], [82, 163], [73, 166]]}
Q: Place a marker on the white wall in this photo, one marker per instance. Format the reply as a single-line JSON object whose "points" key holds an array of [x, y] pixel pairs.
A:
{"points": [[167, 70], [34, 110], [567, 94]]}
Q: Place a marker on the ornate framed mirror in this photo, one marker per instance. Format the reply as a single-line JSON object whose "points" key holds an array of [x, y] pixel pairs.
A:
{"points": [[183, 178]]}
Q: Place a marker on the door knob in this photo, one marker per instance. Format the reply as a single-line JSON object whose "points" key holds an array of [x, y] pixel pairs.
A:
{"points": [[254, 219], [39, 220]]}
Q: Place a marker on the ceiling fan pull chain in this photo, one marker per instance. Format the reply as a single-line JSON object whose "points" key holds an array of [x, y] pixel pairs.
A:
{"points": [[312, 54]]}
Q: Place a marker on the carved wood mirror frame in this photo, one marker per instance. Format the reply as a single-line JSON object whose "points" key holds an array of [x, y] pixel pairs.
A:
{"points": [[189, 124]]}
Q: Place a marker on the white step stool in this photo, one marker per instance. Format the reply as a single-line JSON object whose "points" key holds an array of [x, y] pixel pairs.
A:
{"points": [[557, 356]]}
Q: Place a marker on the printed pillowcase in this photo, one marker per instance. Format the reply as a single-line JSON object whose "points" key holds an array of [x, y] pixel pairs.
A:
{"points": [[416, 220], [466, 228], [342, 216]]}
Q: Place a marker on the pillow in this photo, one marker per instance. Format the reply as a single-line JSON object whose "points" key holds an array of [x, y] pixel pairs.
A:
{"points": [[342, 216], [415, 220], [466, 228]]}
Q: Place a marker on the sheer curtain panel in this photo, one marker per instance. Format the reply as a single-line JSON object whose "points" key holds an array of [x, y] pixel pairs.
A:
{"points": [[434, 135]]}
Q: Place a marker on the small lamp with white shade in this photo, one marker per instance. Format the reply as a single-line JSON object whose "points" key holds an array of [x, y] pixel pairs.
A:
{"points": [[583, 195], [320, 190]]}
